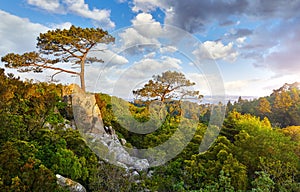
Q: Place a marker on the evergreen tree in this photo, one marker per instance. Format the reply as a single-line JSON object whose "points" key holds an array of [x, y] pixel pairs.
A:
{"points": [[61, 46]]}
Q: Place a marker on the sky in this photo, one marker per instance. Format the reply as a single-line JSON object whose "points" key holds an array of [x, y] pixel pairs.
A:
{"points": [[231, 47]]}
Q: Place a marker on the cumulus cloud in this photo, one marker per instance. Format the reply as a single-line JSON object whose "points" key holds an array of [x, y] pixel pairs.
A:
{"points": [[144, 30], [78, 7], [148, 35], [216, 50], [18, 34], [146, 25], [143, 34]]}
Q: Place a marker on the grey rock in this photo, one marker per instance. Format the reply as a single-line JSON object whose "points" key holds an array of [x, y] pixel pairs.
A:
{"points": [[71, 185], [86, 112], [140, 164], [123, 141], [102, 140]]}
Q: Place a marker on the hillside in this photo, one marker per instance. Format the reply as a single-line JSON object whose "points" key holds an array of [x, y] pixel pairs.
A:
{"points": [[257, 148]]}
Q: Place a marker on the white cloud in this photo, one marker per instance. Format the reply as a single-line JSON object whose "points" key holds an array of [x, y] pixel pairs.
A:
{"points": [[147, 35], [147, 26], [259, 86], [207, 84], [149, 66], [236, 87], [145, 31], [110, 58], [216, 50], [168, 49], [123, 81], [78, 7], [241, 40], [131, 37], [49, 5], [18, 34], [201, 82], [65, 25], [150, 55]]}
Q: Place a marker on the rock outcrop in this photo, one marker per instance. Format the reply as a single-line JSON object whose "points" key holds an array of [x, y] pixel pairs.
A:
{"points": [[106, 145], [86, 112], [69, 184]]}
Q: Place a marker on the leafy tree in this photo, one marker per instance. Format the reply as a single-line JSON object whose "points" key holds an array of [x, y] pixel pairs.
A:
{"points": [[264, 106], [293, 132], [282, 107], [168, 85], [61, 46], [283, 101]]}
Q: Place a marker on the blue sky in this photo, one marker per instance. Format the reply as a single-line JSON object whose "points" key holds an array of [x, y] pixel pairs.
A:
{"points": [[249, 47]]}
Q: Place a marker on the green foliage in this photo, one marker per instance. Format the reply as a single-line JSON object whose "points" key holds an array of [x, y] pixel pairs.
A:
{"points": [[20, 170], [249, 154], [204, 169], [108, 177], [262, 148], [282, 107], [36, 145], [263, 182]]}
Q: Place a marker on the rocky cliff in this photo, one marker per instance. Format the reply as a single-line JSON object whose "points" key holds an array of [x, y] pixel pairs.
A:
{"points": [[107, 146]]}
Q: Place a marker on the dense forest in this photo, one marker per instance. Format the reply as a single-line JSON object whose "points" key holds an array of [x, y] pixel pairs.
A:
{"points": [[258, 148]]}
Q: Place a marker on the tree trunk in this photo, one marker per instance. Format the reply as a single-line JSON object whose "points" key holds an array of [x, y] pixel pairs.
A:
{"points": [[82, 80]]}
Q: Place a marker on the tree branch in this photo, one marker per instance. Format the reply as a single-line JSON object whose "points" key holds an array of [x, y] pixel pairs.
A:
{"points": [[70, 52], [55, 68]]}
